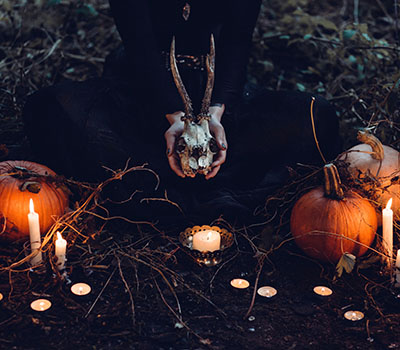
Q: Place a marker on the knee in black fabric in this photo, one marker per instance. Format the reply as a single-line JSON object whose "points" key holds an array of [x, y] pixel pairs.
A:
{"points": [[278, 125], [55, 139]]}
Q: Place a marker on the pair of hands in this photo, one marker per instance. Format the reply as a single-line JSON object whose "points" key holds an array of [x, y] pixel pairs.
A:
{"points": [[176, 129]]}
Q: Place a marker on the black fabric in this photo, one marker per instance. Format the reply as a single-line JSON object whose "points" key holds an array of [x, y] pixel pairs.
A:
{"points": [[75, 128], [78, 127], [147, 27]]}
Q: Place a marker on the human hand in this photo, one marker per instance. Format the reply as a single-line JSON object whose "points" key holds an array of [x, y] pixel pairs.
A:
{"points": [[218, 131], [171, 135]]}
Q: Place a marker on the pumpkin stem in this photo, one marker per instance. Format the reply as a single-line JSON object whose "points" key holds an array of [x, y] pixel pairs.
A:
{"points": [[333, 184], [376, 145]]}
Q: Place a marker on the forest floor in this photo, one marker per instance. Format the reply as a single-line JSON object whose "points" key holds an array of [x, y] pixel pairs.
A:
{"points": [[147, 292]]}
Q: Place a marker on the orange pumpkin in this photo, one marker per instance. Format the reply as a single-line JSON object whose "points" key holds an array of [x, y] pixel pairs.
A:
{"points": [[327, 222], [20, 181]]}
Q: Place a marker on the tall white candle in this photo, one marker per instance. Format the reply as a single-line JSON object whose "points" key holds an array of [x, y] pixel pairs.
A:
{"points": [[34, 234], [207, 241], [61, 248], [387, 230]]}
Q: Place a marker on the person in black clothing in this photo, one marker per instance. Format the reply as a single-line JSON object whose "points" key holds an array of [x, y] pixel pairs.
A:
{"points": [[134, 110]]}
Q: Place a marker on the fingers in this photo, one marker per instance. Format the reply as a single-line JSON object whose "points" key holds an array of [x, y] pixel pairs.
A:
{"points": [[219, 134], [213, 172], [174, 164]]}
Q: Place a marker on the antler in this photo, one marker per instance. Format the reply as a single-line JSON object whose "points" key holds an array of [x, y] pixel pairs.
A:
{"points": [[179, 83], [210, 64]]}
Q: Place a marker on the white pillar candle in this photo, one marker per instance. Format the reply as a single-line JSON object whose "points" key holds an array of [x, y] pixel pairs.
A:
{"points": [[398, 266], [34, 234], [387, 230], [207, 241], [61, 248]]}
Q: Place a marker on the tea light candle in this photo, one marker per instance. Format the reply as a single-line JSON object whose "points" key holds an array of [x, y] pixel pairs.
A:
{"points": [[387, 230], [240, 283], [354, 315], [323, 291], [266, 291], [1, 296], [61, 248], [81, 289], [207, 241], [34, 234], [40, 305]]}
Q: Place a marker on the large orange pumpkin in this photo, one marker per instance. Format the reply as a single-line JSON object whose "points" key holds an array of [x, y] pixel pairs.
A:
{"points": [[20, 181], [323, 219]]}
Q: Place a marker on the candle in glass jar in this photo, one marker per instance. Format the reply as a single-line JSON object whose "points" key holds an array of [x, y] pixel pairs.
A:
{"points": [[387, 230], [207, 241], [34, 234], [61, 248]]}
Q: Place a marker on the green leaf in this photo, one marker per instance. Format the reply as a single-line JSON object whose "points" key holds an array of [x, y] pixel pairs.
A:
{"points": [[346, 262], [300, 87], [348, 33]]}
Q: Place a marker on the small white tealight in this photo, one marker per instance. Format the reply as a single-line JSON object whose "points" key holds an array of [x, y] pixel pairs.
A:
{"points": [[80, 289], [240, 283], [267, 291], [354, 315], [40, 304], [323, 291]]}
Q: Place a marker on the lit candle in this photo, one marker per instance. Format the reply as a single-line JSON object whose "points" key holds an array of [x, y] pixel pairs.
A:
{"points": [[34, 234], [323, 291], [1, 296], [207, 241], [240, 283], [354, 315], [266, 291], [41, 304], [81, 289], [61, 248], [398, 266], [387, 230]]}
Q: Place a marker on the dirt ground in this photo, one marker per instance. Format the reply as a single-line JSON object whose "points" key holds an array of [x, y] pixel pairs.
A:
{"points": [[147, 291]]}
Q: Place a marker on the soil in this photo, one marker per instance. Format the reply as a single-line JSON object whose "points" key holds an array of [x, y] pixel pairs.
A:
{"points": [[147, 290]]}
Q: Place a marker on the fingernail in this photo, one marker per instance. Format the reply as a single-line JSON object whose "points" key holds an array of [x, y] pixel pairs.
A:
{"points": [[223, 146], [168, 151]]}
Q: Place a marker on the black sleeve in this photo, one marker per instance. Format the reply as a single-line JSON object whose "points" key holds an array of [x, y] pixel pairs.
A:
{"points": [[146, 67], [233, 51]]}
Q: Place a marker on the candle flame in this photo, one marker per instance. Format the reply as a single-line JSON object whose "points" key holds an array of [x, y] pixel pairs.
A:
{"points": [[59, 237], [389, 203], [208, 236], [31, 207]]}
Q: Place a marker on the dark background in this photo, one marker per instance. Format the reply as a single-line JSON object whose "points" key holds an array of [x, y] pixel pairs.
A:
{"points": [[147, 292]]}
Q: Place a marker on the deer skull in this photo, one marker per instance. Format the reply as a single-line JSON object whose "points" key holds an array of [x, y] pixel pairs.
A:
{"points": [[196, 146]]}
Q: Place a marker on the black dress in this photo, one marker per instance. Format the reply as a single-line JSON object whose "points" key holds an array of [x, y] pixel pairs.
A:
{"points": [[75, 128]]}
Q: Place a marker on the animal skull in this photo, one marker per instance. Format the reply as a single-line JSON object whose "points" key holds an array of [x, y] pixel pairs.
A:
{"points": [[196, 146]]}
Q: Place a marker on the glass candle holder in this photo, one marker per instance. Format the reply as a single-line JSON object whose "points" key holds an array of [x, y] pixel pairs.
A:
{"points": [[204, 257]]}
